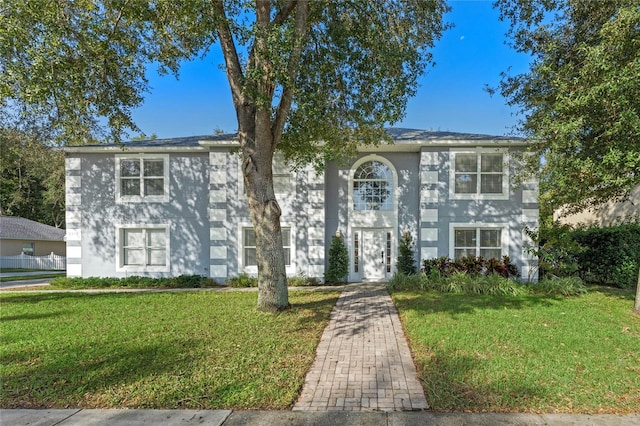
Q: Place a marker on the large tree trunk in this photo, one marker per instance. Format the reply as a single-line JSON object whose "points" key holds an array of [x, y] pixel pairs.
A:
{"points": [[636, 306], [265, 215]]}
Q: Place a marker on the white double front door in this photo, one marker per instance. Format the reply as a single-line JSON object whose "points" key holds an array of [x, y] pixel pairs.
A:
{"points": [[372, 254]]}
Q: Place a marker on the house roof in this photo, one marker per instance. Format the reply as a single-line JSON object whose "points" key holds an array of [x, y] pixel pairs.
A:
{"points": [[404, 140], [17, 228]]}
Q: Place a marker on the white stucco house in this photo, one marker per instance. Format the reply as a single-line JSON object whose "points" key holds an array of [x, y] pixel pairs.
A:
{"points": [[168, 207]]}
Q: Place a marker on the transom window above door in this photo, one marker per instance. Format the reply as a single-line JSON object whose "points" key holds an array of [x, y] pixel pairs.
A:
{"points": [[373, 187]]}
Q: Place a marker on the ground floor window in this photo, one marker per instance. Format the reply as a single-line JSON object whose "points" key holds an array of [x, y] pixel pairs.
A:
{"points": [[485, 242], [29, 249], [249, 246], [143, 247]]}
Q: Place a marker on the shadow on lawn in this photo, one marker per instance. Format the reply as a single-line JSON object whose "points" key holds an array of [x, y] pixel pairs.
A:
{"points": [[456, 304], [73, 377], [449, 386]]}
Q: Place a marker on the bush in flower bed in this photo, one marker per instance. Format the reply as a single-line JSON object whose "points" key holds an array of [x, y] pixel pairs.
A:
{"points": [[459, 282], [471, 265], [182, 281]]}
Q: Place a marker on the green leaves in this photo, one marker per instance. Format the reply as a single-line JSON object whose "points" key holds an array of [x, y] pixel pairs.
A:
{"points": [[580, 100]]}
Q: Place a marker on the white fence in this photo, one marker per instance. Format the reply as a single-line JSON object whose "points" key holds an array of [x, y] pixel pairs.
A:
{"points": [[23, 261]]}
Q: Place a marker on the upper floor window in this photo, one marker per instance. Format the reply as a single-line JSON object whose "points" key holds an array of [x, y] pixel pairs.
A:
{"points": [[373, 187], [482, 174], [142, 178]]}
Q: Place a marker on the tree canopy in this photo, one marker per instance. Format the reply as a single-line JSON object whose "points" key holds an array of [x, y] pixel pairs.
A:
{"points": [[314, 79], [580, 98]]}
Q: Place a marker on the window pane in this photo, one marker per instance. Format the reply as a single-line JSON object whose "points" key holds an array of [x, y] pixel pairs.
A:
{"points": [[130, 168], [250, 257], [249, 237], [373, 187], [465, 238], [466, 163], [156, 238], [286, 237], [491, 163], [153, 168], [130, 186], [466, 184], [156, 257], [491, 184], [459, 253], [490, 238], [29, 249], [133, 238], [287, 256], [133, 256], [154, 187], [491, 253]]}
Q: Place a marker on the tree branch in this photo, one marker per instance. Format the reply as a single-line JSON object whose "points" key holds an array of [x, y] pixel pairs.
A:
{"points": [[284, 13], [302, 14], [232, 61]]}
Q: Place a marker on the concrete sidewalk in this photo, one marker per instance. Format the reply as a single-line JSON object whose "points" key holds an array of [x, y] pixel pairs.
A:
{"points": [[76, 417]]}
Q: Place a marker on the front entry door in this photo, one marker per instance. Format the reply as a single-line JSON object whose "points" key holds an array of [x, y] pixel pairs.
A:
{"points": [[376, 254]]}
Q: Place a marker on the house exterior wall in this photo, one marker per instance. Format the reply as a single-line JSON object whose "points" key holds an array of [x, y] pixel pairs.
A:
{"points": [[94, 216], [607, 214], [205, 214], [440, 213], [302, 212]]}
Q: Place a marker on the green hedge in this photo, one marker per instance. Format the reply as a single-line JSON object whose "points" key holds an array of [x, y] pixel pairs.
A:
{"points": [[182, 281], [611, 256]]}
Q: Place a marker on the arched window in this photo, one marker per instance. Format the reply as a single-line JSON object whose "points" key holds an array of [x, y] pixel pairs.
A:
{"points": [[373, 187]]}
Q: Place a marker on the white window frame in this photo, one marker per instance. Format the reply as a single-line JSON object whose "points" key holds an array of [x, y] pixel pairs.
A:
{"points": [[164, 198], [121, 267], [478, 152], [389, 180], [504, 235], [253, 269]]}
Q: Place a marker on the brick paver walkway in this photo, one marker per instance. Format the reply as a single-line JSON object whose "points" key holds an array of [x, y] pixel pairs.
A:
{"points": [[363, 362]]}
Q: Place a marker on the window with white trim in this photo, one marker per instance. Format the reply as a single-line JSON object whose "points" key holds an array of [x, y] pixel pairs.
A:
{"points": [[142, 178], [373, 187], [482, 173], [143, 248], [249, 246], [485, 242]]}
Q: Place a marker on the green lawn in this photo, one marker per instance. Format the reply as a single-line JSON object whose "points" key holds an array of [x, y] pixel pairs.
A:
{"points": [[526, 353], [156, 350]]}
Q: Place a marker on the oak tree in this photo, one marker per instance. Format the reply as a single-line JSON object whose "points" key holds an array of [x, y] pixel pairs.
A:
{"points": [[580, 97], [312, 79]]}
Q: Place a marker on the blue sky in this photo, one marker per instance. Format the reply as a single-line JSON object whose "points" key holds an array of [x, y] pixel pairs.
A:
{"points": [[451, 96]]}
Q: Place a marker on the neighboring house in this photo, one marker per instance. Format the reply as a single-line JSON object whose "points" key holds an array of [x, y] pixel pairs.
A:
{"points": [[18, 235], [168, 207], [608, 214]]}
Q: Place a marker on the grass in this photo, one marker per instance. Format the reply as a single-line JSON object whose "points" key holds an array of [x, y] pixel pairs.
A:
{"points": [[45, 274], [206, 350], [526, 353]]}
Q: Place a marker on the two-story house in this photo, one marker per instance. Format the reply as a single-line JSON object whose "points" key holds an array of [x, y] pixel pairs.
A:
{"points": [[169, 207]]}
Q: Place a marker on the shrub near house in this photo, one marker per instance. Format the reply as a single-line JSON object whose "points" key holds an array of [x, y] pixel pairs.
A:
{"points": [[609, 256]]}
